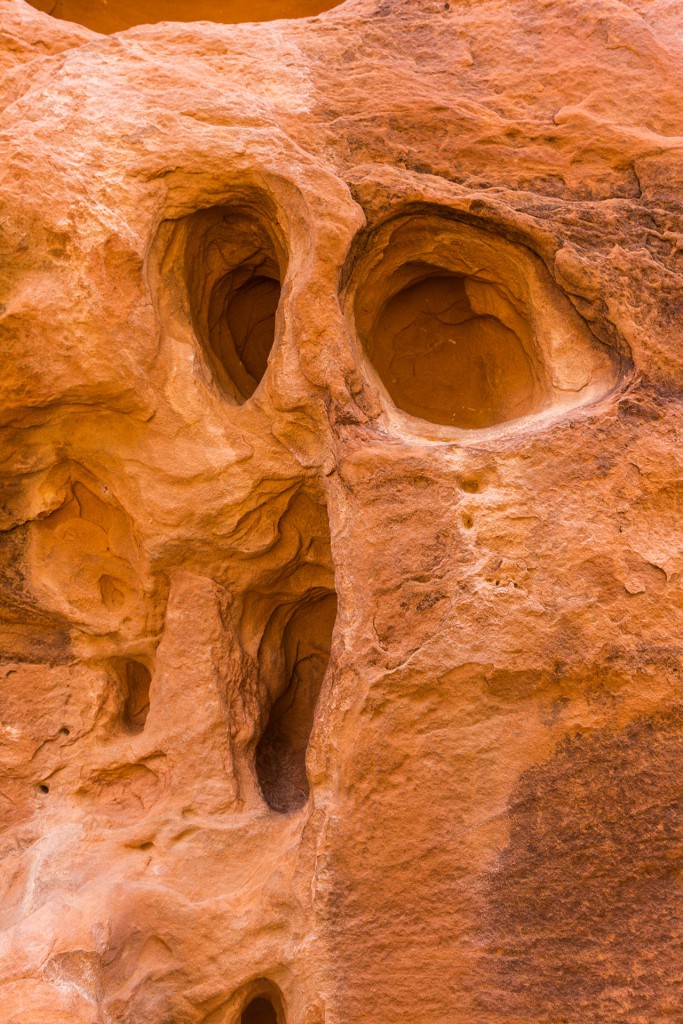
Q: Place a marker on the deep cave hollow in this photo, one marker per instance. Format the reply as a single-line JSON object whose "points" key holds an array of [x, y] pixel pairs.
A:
{"points": [[108, 16], [446, 349], [300, 664], [259, 1011], [233, 279]]}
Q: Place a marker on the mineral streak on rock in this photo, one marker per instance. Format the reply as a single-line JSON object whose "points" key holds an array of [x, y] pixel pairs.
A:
{"points": [[341, 560]]}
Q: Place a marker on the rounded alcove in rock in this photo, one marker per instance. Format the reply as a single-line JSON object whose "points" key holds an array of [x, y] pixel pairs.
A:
{"points": [[466, 329], [233, 266], [116, 15], [260, 1002]]}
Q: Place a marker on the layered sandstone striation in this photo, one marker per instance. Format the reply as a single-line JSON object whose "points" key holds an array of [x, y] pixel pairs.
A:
{"points": [[340, 524]]}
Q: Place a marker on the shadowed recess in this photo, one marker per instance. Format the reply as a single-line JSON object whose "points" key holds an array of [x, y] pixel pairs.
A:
{"points": [[135, 680], [259, 1011], [116, 15], [295, 652], [442, 361], [466, 329], [232, 274]]}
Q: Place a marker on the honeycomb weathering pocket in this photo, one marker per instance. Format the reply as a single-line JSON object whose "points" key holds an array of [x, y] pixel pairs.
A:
{"points": [[463, 328]]}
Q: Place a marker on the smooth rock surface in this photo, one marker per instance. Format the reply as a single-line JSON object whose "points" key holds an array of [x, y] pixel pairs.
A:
{"points": [[340, 556]]}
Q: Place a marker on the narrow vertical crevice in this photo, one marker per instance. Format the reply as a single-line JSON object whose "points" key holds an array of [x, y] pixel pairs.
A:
{"points": [[135, 680], [296, 650]]}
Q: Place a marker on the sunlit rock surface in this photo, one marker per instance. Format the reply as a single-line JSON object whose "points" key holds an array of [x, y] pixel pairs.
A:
{"points": [[340, 568]]}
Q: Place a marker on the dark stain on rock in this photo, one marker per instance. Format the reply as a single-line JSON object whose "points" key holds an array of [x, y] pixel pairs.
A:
{"points": [[27, 631], [585, 911]]}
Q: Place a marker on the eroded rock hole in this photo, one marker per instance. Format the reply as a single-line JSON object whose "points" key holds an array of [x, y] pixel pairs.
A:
{"points": [[135, 680], [115, 15], [466, 329], [233, 274], [259, 1011], [250, 320], [445, 353], [296, 650]]}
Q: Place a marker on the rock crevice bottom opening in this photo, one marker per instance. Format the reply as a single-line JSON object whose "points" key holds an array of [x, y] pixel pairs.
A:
{"points": [[294, 653]]}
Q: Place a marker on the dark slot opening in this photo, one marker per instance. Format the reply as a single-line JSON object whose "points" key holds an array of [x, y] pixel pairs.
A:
{"points": [[259, 1011], [136, 683], [301, 665]]}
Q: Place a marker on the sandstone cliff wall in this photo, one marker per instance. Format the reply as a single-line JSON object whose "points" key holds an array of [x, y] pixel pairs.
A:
{"points": [[341, 592]]}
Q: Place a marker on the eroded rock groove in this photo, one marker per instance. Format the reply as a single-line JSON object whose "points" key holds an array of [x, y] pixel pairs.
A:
{"points": [[135, 682]]}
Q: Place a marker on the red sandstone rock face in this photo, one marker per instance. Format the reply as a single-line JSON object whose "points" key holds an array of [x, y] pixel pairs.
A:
{"points": [[341, 551]]}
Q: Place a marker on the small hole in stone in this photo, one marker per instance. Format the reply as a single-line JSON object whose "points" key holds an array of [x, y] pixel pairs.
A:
{"points": [[468, 522], [42, 787], [302, 661], [64, 731], [135, 683], [470, 486], [112, 597], [259, 1011]]}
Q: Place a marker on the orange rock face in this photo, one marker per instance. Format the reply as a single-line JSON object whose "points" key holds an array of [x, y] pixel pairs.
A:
{"points": [[341, 592]]}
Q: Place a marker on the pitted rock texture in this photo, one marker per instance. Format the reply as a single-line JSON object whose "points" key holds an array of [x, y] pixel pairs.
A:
{"points": [[340, 533]]}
